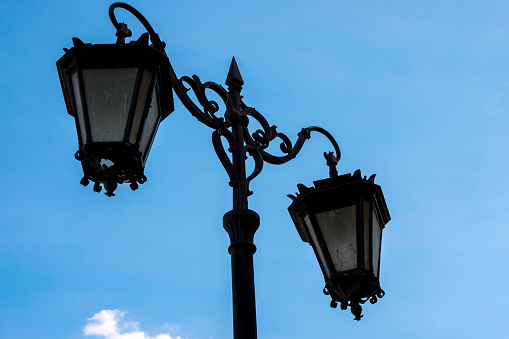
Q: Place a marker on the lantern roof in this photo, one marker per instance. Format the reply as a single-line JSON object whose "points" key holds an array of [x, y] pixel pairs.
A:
{"points": [[339, 190], [137, 53]]}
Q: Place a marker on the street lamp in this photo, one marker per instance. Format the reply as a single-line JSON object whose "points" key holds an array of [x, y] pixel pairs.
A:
{"points": [[119, 93], [342, 219]]}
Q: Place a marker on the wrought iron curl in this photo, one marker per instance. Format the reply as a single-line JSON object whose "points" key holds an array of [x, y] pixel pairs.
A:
{"points": [[290, 150], [262, 137], [210, 107], [222, 155], [258, 160], [259, 141]]}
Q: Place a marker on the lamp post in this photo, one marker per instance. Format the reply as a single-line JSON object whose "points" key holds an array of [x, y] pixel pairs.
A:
{"points": [[119, 93]]}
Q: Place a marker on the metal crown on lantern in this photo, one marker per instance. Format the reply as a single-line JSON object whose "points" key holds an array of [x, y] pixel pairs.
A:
{"points": [[119, 93]]}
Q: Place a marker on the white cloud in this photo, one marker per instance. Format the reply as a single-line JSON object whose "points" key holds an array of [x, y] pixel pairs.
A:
{"points": [[108, 324]]}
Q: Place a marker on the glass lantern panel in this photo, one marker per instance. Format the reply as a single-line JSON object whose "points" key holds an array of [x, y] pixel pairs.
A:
{"points": [[377, 239], [140, 106], [339, 228], [109, 93], [79, 107], [316, 245], [151, 122], [366, 209]]}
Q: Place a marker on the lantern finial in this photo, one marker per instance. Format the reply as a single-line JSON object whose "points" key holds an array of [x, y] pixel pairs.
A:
{"points": [[332, 162], [122, 33]]}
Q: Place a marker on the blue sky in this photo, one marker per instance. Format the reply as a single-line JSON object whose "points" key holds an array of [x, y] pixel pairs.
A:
{"points": [[415, 92]]}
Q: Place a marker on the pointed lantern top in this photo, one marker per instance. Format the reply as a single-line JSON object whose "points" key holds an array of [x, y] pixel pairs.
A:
{"points": [[234, 76]]}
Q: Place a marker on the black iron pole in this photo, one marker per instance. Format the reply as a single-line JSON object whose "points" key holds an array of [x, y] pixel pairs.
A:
{"points": [[241, 227], [240, 223]]}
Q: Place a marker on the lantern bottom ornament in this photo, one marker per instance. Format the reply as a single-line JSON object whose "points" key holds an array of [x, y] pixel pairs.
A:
{"points": [[353, 290], [111, 164]]}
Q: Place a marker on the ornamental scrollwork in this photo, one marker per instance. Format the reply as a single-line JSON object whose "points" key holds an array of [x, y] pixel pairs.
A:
{"points": [[336, 293], [210, 107], [236, 113]]}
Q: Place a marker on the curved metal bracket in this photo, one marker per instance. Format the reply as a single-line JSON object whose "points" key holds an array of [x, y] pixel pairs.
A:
{"points": [[210, 107], [292, 151], [221, 153], [258, 159], [121, 28], [261, 139]]}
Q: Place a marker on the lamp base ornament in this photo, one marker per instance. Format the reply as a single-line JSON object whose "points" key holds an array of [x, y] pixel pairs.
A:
{"points": [[351, 296], [111, 164]]}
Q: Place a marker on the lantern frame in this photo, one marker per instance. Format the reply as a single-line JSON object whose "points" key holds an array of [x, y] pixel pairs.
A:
{"points": [[127, 153], [354, 285]]}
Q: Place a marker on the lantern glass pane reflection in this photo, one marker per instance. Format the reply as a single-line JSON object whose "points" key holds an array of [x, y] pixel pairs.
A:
{"points": [[366, 210], [377, 238], [109, 94], [338, 228], [140, 105], [151, 122], [79, 106], [316, 245]]}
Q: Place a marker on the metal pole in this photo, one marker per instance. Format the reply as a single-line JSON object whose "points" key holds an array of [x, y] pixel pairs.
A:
{"points": [[240, 223], [241, 228]]}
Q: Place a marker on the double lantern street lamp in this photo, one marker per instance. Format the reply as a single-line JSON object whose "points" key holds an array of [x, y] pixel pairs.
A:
{"points": [[119, 94]]}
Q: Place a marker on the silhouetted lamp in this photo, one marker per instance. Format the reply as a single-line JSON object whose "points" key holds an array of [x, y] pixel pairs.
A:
{"points": [[118, 95], [342, 218]]}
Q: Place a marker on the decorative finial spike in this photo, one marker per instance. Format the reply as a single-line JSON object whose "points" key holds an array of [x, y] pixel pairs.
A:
{"points": [[143, 40], [234, 76], [77, 42], [302, 188]]}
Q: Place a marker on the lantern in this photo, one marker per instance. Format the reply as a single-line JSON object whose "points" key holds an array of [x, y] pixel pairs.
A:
{"points": [[342, 218], [118, 95]]}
